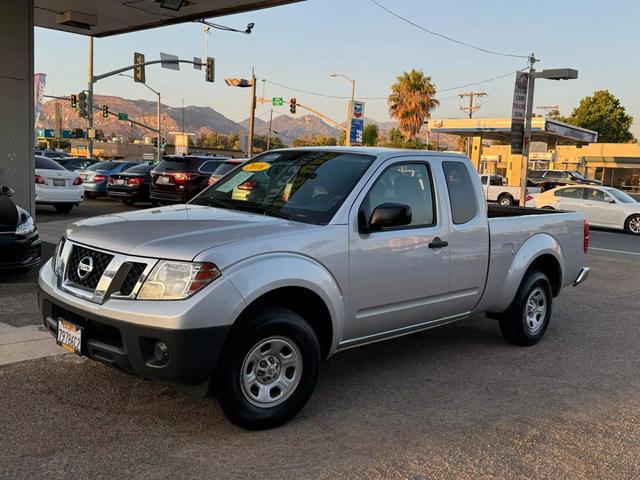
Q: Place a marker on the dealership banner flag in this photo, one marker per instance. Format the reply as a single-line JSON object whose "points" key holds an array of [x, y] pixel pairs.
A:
{"points": [[518, 112]]}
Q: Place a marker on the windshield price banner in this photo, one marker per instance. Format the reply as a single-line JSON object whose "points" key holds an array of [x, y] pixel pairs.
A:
{"points": [[518, 112]]}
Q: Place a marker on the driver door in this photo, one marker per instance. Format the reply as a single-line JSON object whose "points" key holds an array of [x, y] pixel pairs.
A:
{"points": [[397, 280]]}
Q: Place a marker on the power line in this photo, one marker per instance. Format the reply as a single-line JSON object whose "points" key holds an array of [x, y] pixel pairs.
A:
{"points": [[459, 42]]}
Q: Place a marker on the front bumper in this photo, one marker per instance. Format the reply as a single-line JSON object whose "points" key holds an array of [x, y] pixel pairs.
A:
{"points": [[582, 276], [192, 353], [19, 252]]}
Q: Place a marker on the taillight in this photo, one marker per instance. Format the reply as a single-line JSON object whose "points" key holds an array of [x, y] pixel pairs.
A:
{"points": [[585, 245], [182, 177], [248, 185], [99, 178], [528, 198], [39, 180], [136, 181], [111, 180], [77, 181]]}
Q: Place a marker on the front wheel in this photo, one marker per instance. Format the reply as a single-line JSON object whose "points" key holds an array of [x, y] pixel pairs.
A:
{"points": [[632, 224], [268, 369], [505, 200], [527, 318]]}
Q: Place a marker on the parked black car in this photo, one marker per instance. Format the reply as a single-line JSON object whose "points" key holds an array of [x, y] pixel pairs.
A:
{"points": [[177, 179], [548, 179], [132, 185], [20, 245], [75, 164]]}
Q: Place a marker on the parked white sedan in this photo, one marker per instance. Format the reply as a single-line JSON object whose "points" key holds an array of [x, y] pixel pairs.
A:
{"points": [[603, 206], [57, 186]]}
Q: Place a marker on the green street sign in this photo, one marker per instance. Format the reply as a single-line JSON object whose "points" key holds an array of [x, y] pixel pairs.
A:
{"points": [[277, 101], [123, 116]]}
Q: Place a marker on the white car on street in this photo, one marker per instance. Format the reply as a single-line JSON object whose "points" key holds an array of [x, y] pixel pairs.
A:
{"points": [[603, 206], [57, 186]]}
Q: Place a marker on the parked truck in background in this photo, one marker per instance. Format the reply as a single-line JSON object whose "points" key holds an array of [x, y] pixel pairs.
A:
{"points": [[295, 256], [496, 189]]}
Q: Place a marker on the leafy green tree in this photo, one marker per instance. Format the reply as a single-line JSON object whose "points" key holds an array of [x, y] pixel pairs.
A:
{"points": [[314, 140], [370, 135], [396, 139], [603, 113], [411, 100]]}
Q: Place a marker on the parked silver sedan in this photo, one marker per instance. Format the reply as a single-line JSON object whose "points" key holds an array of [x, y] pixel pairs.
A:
{"points": [[603, 206]]}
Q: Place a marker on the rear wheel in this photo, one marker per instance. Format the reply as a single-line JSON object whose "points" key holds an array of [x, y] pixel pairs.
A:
{"points": [[127, 201], [63, 207], [505, 200], [527, 318], [90, 195], [268, 369], [632, 224]]}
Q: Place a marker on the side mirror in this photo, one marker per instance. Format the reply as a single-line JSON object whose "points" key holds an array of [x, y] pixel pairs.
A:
{"points": [[7, 191], [387, 215]]}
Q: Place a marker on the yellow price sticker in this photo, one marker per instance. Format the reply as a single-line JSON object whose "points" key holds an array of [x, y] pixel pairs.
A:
{"points": [[256, 167]]}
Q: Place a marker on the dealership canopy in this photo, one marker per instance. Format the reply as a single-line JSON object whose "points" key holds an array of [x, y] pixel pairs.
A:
{"points": [[101, 18]]}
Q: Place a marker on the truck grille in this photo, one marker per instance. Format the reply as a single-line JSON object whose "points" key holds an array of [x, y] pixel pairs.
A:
{"points": [[130, 281], [87, 278]]}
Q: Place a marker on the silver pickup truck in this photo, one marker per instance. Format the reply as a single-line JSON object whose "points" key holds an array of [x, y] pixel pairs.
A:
{"points": [[297, 255]]}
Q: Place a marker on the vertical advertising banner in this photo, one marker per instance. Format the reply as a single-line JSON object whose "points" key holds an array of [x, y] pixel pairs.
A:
{"points": [[518, 112], [39, 80], [356, 127]]}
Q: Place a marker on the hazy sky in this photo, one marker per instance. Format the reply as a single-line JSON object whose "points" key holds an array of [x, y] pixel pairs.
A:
{"points": [[299, 45]]}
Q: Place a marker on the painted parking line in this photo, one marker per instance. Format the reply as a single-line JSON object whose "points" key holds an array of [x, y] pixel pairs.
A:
{"points": [[615, 251]]}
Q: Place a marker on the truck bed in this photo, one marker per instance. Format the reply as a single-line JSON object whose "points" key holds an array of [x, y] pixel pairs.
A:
{"points": [[498, 211]]}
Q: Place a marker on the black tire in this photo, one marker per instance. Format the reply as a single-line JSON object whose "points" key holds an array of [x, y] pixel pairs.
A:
{"points": [[63, 207], [632, 225], [515, 325], [547, 207], [127, 201], [155, 203], [90, 195], [261, 326], [505, 200]]}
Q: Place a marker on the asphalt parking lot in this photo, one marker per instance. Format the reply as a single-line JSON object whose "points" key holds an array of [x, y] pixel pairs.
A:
{"points": [[454, 402]]}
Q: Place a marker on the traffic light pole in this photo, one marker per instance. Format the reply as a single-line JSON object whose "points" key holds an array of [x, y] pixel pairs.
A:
{"points": [[90, 100], [252, 114]]}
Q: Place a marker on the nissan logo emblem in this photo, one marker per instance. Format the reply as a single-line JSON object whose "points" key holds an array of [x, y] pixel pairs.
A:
{"points": [[85, 267]]}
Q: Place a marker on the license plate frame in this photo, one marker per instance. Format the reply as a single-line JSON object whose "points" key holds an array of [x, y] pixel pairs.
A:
{"points": [[58, 182], [69, 336]]}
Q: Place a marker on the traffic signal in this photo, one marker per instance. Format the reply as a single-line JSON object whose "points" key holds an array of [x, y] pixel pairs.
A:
{"points": [[82, 105], [293, 103], [211, 64], [138, 71], [74, 101], [105, 111]]}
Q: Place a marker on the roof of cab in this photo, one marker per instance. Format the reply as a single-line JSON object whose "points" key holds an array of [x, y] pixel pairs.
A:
{"points": [[376, 151]]}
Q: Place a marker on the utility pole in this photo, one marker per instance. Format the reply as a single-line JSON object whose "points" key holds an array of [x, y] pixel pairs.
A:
{"points": [[350, 109], [90, 99], [270, 122], [470, 109], [252, 113], [527, 131]]}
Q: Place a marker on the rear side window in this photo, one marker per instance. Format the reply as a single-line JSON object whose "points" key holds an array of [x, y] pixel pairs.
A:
{"points": [[180, 164], [140, 169], [44, 163], [225, 168], [103, 166], [462, 197], [570, 193], [552, 174]]}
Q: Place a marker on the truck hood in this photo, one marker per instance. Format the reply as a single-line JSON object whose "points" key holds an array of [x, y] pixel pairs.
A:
{"points": [[177, 232]]}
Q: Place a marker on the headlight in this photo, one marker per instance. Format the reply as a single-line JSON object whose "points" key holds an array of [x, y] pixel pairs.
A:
{"points": [[171, 280], [26, 225], [55, 260]]}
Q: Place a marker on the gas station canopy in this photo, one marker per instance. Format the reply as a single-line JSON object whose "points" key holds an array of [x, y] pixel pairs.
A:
{"points": [[101, 18], [542, 129]]}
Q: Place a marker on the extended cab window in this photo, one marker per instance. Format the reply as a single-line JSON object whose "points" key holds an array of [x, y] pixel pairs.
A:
{"points": [[408, 184], [462, 197], [570, 192]]}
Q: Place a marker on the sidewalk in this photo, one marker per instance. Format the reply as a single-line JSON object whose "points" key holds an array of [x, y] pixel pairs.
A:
{"points": [[26, 343]]}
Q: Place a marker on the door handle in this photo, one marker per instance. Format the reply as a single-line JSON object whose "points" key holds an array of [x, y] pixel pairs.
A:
{"points": [[437, 242]]}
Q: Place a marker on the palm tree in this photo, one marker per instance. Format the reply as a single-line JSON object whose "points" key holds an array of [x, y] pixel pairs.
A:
{"points": [[411, 101]]}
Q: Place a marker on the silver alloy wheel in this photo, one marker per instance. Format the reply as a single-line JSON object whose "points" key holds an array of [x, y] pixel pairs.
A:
{"points": [[535, 310], [634, 225], [505, 201], [271, 371]]}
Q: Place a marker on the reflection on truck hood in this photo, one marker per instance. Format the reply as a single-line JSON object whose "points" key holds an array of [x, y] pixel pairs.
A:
{"points": [[178, 232]]}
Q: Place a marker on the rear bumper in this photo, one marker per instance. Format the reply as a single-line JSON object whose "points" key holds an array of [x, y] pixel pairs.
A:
{"points": [[96, 188], [50, 196], [124, 192], [192, 354], [582, 276]]}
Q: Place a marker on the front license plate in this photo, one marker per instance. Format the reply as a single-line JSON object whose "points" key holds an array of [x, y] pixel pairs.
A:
{"points": [[69, 337], [58, 183]]}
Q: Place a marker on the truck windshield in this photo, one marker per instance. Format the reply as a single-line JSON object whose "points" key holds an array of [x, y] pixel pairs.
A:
{"points": [[305, 186]]}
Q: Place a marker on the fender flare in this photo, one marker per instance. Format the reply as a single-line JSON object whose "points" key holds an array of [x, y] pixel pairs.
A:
{"points": [[258, 275]]}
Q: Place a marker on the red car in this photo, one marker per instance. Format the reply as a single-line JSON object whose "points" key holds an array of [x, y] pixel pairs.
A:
{"points": [[177, 179]]}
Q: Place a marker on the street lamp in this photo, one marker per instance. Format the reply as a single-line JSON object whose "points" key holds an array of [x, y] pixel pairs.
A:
{"points": [[244, 83], [550, 74], [350, 110], [158, 133]]}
